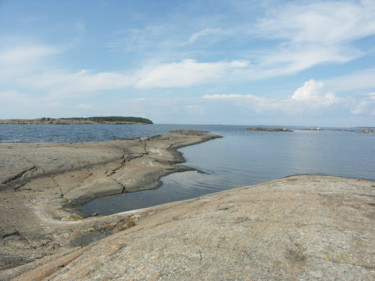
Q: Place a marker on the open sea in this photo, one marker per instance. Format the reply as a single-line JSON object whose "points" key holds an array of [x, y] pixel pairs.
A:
{"points": [[242, 157]]}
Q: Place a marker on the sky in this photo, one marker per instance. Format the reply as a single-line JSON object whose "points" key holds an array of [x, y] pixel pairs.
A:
{"points": [[235, 62]]}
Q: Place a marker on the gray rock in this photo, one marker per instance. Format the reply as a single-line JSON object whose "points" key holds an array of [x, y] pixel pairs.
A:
{"points": [[297, 228], [41, 183]]}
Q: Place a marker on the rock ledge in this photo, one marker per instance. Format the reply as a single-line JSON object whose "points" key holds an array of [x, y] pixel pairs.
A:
{"points": [[305, 227]]}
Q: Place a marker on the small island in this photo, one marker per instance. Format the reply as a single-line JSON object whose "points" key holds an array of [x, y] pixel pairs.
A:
{"points": [[270, 129], [81, 120], [355, 130]]}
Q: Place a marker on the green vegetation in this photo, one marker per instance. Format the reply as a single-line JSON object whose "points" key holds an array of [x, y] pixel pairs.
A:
{"points": [[112, 119], [81, 120]]}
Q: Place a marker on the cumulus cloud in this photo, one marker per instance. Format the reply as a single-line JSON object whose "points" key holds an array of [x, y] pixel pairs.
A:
{"points": [[313, 92], [311, 96]]}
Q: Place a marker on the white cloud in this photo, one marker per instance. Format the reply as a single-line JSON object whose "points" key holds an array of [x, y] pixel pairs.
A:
{"points": [[82, 81], [19, 54], [366, 105], [255, 103], [327, 22], [180, 74], [310, 97], [259, 101], [185, 73], [203, 33], [294, 59], [312, 92], [227, 96], [310, 34], [21, 59]]}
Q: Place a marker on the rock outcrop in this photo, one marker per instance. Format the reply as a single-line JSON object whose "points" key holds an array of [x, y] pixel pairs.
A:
{"points": [[41, 183], [306, 227]]}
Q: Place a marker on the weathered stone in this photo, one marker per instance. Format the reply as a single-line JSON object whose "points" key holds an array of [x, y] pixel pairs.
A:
{"points": [[306, 227], [297, 228], [41, 183]]}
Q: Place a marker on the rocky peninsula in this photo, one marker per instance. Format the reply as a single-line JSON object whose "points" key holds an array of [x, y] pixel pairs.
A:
{"points": [[306, 227], [40, 183]]}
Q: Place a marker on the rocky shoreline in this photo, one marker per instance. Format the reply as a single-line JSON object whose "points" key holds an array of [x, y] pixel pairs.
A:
{"points": [[306, 227], [40, 183]]}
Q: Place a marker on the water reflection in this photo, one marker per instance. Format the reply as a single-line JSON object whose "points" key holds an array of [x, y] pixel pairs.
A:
{"points": [[249, 157]]}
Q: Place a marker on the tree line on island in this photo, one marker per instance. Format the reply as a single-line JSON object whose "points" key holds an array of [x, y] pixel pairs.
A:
{"points": [[105, 119], [81, 120]]}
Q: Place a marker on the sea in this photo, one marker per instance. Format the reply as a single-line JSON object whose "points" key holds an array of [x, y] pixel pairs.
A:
{"points": [[241, 157]]}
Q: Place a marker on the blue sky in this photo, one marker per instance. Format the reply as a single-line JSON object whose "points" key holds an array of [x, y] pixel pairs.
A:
{"points": [[191, 62]]}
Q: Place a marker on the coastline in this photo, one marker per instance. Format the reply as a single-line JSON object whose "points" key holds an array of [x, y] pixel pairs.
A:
{"points": [[41, 183], [309, 227]]}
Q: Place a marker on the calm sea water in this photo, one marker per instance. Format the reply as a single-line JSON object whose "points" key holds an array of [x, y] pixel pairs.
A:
{"points": [[240, 158]]}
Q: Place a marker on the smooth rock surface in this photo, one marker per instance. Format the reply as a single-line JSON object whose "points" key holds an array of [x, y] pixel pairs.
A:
{"points": [[40, 183], [306, 227]]}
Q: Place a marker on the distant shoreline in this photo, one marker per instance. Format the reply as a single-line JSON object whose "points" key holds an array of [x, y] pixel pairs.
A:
{"points": [[271, 129], [263, 129], [108, 120]]}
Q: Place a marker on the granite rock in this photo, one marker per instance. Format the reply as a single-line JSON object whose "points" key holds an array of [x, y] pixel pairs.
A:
{"points": [[306, 227]]}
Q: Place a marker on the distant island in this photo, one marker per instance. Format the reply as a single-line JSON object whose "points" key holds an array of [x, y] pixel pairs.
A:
{"points": [[81, 120], [270, 129], [357, 130]]}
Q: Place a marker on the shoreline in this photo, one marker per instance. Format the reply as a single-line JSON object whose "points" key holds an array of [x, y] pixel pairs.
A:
{"points": [[299, 227], [41, 183]]}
